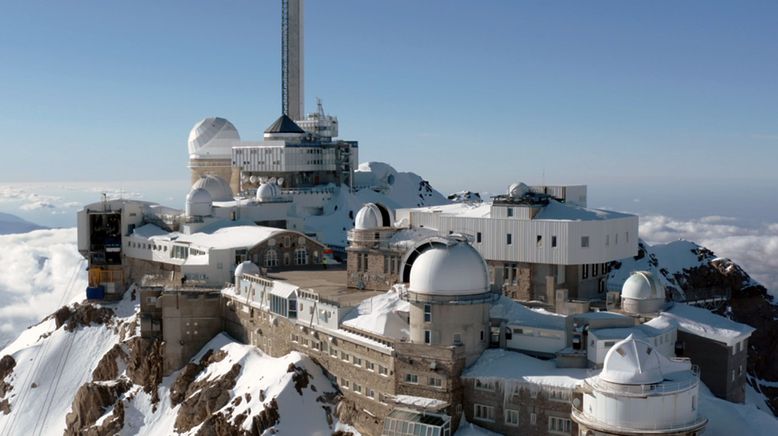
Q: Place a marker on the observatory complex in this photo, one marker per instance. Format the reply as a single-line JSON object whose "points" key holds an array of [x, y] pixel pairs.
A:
{"points": [[422, 311]]}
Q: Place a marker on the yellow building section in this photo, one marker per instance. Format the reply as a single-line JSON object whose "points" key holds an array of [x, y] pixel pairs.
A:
{"points": [[101, 275]]}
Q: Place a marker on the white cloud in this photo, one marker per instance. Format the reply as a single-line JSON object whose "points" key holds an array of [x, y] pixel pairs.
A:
{"points": [[42, 270], [754, 247], [39, 204]]}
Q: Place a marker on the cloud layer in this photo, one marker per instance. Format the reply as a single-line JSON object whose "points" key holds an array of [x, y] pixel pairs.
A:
{"points": [[754, 247], [41, 271]]}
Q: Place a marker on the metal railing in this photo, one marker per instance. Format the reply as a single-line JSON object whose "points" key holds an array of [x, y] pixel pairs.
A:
{"points": [[649, 425], [664, 387]]}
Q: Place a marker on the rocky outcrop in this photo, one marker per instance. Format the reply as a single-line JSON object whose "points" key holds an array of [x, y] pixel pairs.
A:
{"points": [[205, 397], [7, 364], [90, 403], [178, 392], [81, 315], [144, 364], [108, 366]]}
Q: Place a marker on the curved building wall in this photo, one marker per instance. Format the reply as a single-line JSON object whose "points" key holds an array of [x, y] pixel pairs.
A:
{"points": [[642, 306], [447, 322], [215, 167]]}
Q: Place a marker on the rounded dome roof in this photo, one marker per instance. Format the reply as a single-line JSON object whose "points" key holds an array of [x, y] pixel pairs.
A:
{"points": [[642, 285], [268, 191], [456, 269], [216, 186], [517, 190], [212, 138], [632, 362], [198, 202], [368, 217], [246, 267]]}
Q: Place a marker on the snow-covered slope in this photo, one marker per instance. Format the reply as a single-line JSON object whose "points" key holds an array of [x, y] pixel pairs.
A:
{"points": [[86, 369]]}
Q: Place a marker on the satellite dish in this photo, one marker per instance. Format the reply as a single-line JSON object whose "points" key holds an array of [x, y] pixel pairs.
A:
{"points": [[253, 179], [280, 181], [272, 180]]}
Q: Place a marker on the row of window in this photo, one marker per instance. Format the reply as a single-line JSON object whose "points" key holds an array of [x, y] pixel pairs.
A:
{"points": [[596, 269], [554, 244], [556, 424], [300, 257], [435, 382]]}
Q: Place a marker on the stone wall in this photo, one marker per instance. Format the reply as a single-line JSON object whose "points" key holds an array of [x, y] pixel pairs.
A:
{"points": [[534, 405], [189, 320]]}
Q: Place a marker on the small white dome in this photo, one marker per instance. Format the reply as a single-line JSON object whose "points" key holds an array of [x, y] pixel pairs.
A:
{"points": [[642, 285], [246, 267], [632, 362], [450, 270], [198, 202], [268, 192], [216, 186], [517, 190], [212, 138], [368, 217]]}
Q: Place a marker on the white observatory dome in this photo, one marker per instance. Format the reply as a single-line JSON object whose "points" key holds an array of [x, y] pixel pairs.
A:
{"points": [[517, 190], [632, 362], [212, 138], [642, 285], [198, 202], [216, 186], [450, 270], [368, 217], [268, 192], [246, 267]]}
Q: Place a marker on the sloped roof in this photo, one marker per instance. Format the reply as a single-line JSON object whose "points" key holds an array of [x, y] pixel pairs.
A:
{"points": [[284, 124]]}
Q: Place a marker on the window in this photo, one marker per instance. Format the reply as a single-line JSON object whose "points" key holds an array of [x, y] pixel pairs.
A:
{"points": [[539, 241], [301, 256], [334, 352], [383, 370], [478, 237], [482, 335], [370, 365], [594, 269], [553, 241], [356, 360], [585, 271], [627, 235], [457, 338], [435, 382], [357, 388], [533, 418], [483, 412], [508, 334], [427, 312], [345, 384], [584, 242], [511, 417], [344, 356], [510, 211], [615, 239], [508, 239], [559, 395], [488, 386], [427, 336], [411, 378], [559, 425], [694, 402], [607, 240], [371, 393]]}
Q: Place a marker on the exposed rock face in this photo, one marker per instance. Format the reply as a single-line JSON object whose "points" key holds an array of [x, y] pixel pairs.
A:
{"points": [[81, 315], [205, 397], [7, 364], [178, 392], [108, 367], [300, 378], [144, 365], [90, 403]]}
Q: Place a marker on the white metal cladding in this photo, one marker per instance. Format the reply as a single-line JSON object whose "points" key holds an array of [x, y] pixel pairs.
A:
{"points": [[608, 240], [284, 159]]}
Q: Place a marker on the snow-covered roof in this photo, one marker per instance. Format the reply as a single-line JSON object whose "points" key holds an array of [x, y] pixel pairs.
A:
{"points": [[283, 289], [407, 238], [149, 231], [704, 323], [242, 236], [420, 402], [516, 313], [380, 315], [648, 330], [553, 211], [513, 366]]}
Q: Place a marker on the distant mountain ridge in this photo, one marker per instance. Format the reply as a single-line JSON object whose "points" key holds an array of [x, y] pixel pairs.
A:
{"points": [[13, 224]]}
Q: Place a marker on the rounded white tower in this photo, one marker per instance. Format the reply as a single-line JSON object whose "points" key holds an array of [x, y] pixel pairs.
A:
{"points": [[216, 186], [268, 192], [210, 148], [639, 391], [450, 298], [198, 203], [642, 293]]}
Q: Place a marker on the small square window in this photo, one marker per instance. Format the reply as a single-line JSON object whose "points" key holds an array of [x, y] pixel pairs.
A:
{"points": [[584, 242]]}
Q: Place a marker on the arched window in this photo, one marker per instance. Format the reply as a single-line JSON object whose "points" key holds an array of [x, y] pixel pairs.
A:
{"points": [[301, 256], [271, 258]]}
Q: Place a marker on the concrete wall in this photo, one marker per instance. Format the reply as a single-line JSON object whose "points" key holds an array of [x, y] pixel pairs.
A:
{"points": [[469, 321], [189, 320], [718, 364]]}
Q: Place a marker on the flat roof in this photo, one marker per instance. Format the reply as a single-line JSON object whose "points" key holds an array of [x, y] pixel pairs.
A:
{"points": [[329, 283]]}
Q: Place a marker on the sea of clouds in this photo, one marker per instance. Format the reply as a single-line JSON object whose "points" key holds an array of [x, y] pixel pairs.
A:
{"points": [[752, 246]]}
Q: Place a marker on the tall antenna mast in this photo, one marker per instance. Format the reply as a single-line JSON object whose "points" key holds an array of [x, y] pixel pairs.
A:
{"points": [[292, 58]]}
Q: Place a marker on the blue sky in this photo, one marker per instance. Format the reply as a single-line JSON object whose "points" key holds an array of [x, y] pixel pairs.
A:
{"points": [[636, 98]]}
